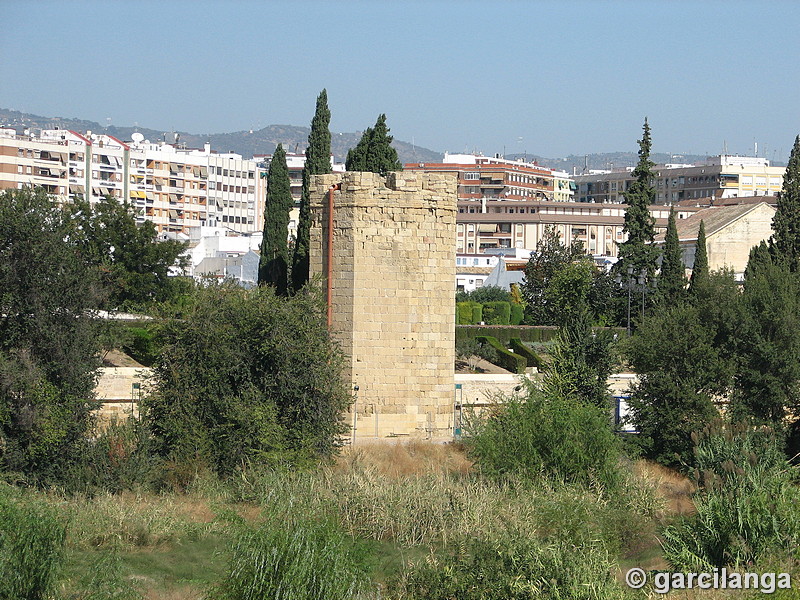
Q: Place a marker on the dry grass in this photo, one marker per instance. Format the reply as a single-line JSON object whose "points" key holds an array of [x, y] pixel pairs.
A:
{"points": [[675, 489], [405, 459]]}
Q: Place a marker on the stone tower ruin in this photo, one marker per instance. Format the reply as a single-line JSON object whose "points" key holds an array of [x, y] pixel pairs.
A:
{"points": [[392, 285]]}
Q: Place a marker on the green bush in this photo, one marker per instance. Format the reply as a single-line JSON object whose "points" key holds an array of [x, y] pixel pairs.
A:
{"points": [[517, 313], [31, 547], [468, 312], [511, 567], [533, 359], [142, 345], [554, 437], [504, 334], [746, 502], [307, 560], [508, 360], [477, 313], [497, 313]]}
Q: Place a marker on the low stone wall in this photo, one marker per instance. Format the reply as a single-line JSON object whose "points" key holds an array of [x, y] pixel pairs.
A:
{"points": [[118, 391]]}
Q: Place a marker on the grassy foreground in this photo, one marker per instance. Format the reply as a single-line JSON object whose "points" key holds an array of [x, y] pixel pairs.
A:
{"points": [[386, 521]]}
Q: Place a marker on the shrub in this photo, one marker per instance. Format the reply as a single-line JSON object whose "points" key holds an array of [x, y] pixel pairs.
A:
{"points": [[554, 437], [508, 360], [464, 313], [504, 333], [533, 359], [142, 346], [477, 313], [31, 546], [247, 376], [746, 502], [497, 313], [517, 313], [309, 561], [511, 567]]}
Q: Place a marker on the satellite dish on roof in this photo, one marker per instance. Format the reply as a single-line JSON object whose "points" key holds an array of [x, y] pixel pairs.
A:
{"points": [[137, 137]]}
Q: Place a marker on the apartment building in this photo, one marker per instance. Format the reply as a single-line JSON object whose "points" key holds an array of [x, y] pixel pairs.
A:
{"points": [[485, 225], [176, 188], [723, 176], [495, 178]]}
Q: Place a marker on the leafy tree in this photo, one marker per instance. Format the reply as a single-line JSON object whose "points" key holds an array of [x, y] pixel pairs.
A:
{"points": [[700, 267], [581, 362], [273, 269], [374, 152], [682, 367], [760, 257], [247, 376], [318, 162], [786, 223], [672, 282], [48, 336], [767, 342], [547, 435], [637, 250], [550, 257], [133, 265]]}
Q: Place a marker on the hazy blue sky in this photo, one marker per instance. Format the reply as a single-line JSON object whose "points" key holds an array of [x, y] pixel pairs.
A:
{"points": [[551, 78]]}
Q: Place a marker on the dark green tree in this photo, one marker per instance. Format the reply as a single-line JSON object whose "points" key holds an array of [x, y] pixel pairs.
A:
{"points": [[247, 376], [273, 268], [759, 258], [318, 162], [374, 152], [357, 156], [48, 336], [767, 344], [786, 223], [133, 265], [581, 362], [672, 282], [550, 257], [681, 369], [700, 267], [637, 250]]}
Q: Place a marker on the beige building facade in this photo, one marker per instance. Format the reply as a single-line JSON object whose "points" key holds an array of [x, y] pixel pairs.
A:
{"points": [[391, 288]]}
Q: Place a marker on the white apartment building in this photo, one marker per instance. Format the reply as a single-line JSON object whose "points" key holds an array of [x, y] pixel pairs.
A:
{"points": [[175, 188]]}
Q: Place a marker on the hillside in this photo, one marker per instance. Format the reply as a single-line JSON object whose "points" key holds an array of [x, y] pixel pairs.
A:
{"points": [[246, 143]]}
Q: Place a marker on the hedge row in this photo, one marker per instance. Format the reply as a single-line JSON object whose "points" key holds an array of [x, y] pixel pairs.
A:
{"points": [[525, 333], [521, 349], [510, 361], [491, 313]]}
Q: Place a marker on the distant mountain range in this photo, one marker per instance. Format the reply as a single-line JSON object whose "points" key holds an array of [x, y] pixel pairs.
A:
{"points": [[295, 139], [246, 143]]}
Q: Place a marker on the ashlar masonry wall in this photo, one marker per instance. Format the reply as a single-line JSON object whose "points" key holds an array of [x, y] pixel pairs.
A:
{"points": [[393, 286]]}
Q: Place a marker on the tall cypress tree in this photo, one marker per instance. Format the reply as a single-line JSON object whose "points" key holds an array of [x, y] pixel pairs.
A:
{"points": [[672, 283], [273, 268], [638, 250], [700, 268], [374, 152], [786, 223], [318, 162]]}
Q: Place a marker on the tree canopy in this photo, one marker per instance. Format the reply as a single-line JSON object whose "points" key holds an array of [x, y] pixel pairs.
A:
{"points": [[672, 280], [637, 250], [786, 223], [273, 268], [48, 335], [247, 376], [318, 162], [374, 152], [133, 266]]}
